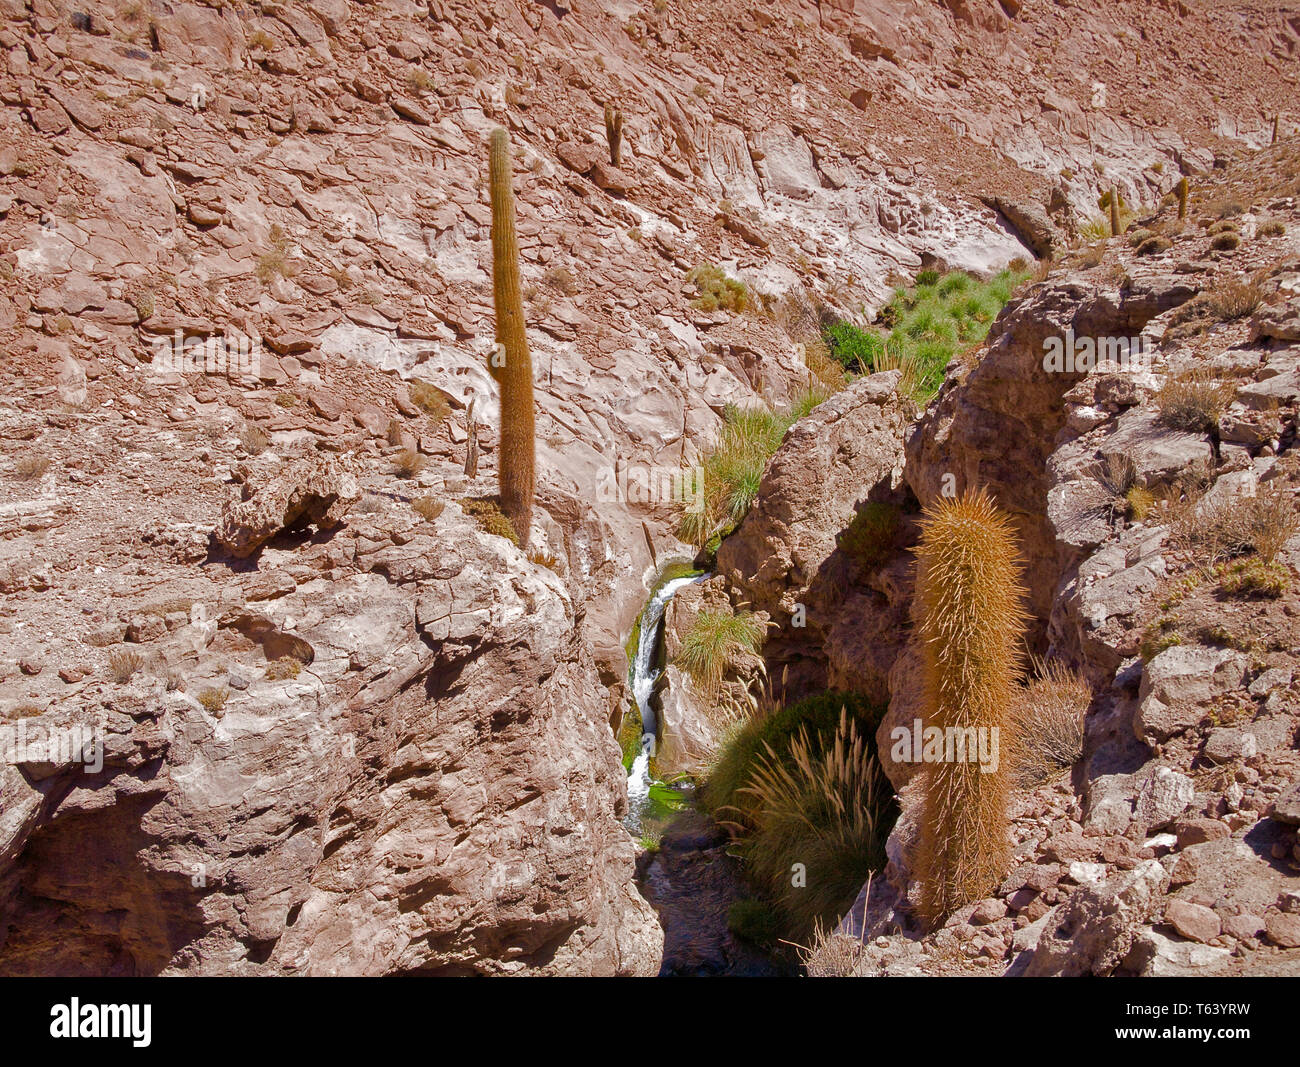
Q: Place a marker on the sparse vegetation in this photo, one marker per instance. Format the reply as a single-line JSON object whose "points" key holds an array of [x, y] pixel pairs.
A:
{"points": [[274, 262], [408, 463], [429, 399], [30, 466], [1193, 402], [487, 511], [717, 291], [254, 440], [1253, 577], [1226, 241], [213, 698], [283, 668], [428, 507], [873, 533], [124, 664]]}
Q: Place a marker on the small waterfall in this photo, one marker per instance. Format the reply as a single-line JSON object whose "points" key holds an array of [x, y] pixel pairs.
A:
{"points": [[645, 673]]}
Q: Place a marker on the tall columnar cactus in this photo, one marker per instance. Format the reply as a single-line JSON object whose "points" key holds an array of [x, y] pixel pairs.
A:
{"points": [[1114, 211], [512, 366], [614, 134], [1180, 191], [1277, 122], [970, 623]]}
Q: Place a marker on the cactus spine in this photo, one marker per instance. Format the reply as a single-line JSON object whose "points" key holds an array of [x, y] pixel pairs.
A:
{"points": [[1114, 211], [512, 366], [614, 134], [1180, 191], [970, 623]]}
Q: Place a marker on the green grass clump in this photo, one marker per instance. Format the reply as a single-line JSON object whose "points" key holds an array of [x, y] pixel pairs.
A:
{"points": [[754, 921], [740, 750], [818, 812], [713, 641], [928, 325], [733, 468]]}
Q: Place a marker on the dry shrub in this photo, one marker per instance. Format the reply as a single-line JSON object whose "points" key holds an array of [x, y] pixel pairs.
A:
{"points": [[1226, 241], [408, 463], [124, 664], [254, 440], [1217, 532], [428, 507], [214, 698], [1193, 402], [429, 399], [31, 466], [283, 668], [830, 954], [1048, 713], [1234, 299]]}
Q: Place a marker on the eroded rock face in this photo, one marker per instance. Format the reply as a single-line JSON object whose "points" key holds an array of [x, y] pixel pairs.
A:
{"points": [[785, 559], [270, 500], [437, 792]]}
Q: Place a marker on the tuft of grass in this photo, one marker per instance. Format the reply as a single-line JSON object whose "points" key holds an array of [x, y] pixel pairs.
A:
{"points": [[31, 466], [1153, 246], [1193, 402], [822, 804], [543, 559], [408, 463], [284, 667], [429, 399], [254, 440], [1271, 228], [428, 507], [274, 262], [1048, 713], [213, 698], [732, 469], [714, 641], [1234, 299], [124, 664], [1160, 634], [716, 290], [1226, 241], [487, 511]]}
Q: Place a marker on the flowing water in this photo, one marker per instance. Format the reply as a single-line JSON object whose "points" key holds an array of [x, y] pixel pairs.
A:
{"points": [[645, 673]]}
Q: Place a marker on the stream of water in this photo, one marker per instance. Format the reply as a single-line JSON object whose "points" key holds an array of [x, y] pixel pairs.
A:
{"points": [[645, 673]]}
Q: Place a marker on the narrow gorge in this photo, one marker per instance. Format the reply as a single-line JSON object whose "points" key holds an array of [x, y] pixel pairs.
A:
{"points": [[517, 489]]}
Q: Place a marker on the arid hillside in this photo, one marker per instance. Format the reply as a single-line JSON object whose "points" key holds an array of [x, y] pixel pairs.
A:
{"points": [[247, 312]]}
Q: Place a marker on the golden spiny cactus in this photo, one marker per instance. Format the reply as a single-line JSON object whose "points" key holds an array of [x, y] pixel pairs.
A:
{"points": [[1180, 191], [1114, 211], [971, 622], [512, 366], [614, 134]]}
